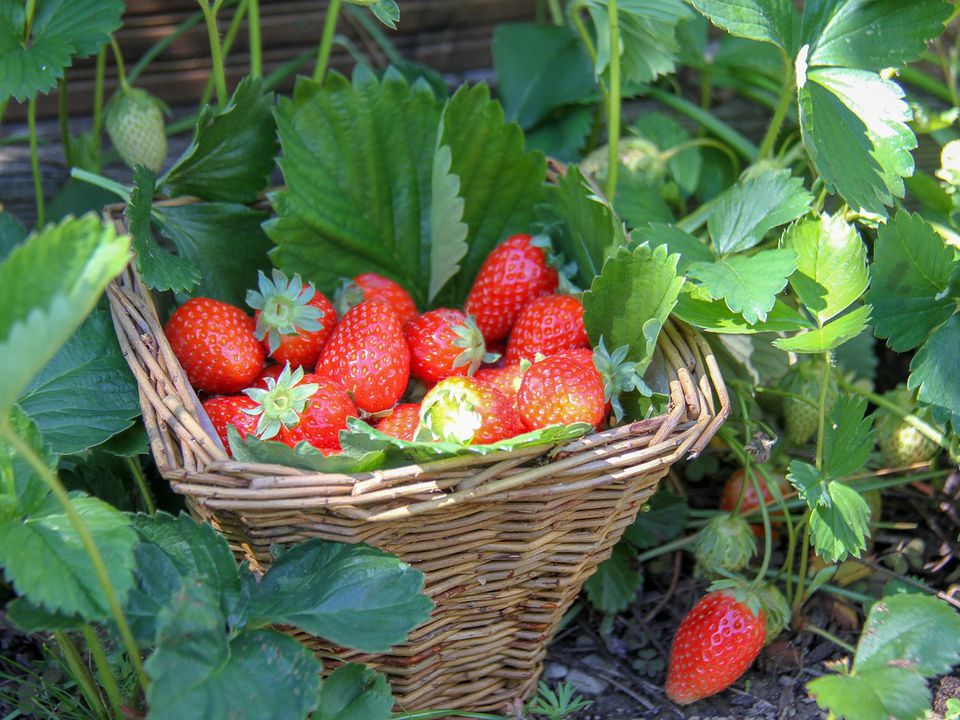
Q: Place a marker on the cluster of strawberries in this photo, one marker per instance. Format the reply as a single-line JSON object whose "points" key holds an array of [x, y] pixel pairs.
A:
{"points": [[297, 370]]}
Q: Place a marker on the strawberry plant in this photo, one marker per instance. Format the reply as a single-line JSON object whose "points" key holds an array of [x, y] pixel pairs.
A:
{"points": [[418, 235]]}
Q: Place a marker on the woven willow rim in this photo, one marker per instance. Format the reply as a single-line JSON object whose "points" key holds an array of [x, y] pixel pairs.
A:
{"points": [[189, 454]]}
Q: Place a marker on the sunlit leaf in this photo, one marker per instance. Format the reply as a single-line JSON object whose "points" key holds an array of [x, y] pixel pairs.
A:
{"points": [[748, 284]]}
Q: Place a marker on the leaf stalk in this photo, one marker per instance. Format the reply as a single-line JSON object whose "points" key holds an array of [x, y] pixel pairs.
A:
{"points": [[326, 40], [35, 161]]}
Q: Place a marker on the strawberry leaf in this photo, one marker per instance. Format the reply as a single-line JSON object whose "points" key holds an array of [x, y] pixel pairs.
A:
{"points": [[353, 595], [304, 456], [631, 300], [198, 671], [48, 285], [387, 12], [831, 335], [935, 371], [11, 234], [879, 694], [744, 213], [448, 233], [840, 527], [60, 32], [831, 264], [613, 586], [689, 248], [911, 270], [22, 490], [86, 394], [748, 284], [354, 692], [769, 21], [695, 306], [810, 483], [231, 155], [668, 135], [848, 437]]}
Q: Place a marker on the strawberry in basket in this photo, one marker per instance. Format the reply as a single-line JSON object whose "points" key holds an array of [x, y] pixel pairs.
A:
{"points": [[443, 343], [370, 286]]}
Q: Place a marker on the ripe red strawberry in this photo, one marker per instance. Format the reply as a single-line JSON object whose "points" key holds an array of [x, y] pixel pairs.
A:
{"points": [[547, 325], [368, 355], [402, 423], [561, 390], [299, 407], [468, 411], [270, 371], [444, 343], [294, 321], [225, 410], [731, 491], [370, 286], [715, 644], [505, 379], [215, 344], [512, 275]]}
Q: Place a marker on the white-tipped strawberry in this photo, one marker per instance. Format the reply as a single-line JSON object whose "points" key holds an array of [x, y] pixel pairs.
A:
{"points": [[281, 405], [135, 125], [294, 320]]}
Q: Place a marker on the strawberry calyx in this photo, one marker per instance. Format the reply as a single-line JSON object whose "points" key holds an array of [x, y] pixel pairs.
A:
{"points": [[619, 375], [284, 307], [474, 347], [347, 296], [566, 271], [450, 413], [744, 592], [282, 403]]}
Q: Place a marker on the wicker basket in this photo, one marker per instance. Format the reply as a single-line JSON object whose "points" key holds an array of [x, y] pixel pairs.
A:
{"points": [[506, 540]]}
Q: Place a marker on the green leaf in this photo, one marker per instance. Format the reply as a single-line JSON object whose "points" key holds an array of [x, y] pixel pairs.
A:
{"points": [[563, 136], [810, 483], [156, 583], [694, 306], [648, 36], [769, 21], [198, 672], [32, 619], [131, 442], [387, 12], [231, 156], [539, 69], [304, 456], [354, 692], [48, 285], [500, 183], [86, 393], [840, 528], [689, 248], [448, 233], [639, 199], [631, 299], [615, 582], [935, 370], [748, 284], [22, 491], [918, 632], [854, 126], [831, 264], [661, 519], [667, 134], [11, 234], [352, 595], [871, 35], [831, 335], [44, 559], [848, 437], [159, 268], [60, 32], [224, 239], [745, 212], [890, 693], [589, 230], [911, 269]]}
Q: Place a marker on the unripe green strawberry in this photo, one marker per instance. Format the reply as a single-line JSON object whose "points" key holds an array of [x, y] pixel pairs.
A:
{"points": [[725, 543], [801, 418], [900, 443], [135, 125]]}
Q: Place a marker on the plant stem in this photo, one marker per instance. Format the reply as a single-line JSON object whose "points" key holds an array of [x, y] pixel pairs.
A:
{"points": [[767, 532], [256, 46], [822, 408], [677, 544], [28, 12], [613, 101], [98, 83], [373, 29], [798, 598], [743, 147], [107, 680], [63, 117], [232, 31], [833, 590], [101, 182], [137, 472], [326, 40], [829, 636], [35, 161], [162, 44], [86, 540], [783, 104], [87, 685], [556, 14], [588, 45], [121, 68], [216, 52], [3, 108]]}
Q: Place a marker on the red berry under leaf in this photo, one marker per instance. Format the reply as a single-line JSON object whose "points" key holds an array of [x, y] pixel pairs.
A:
{"points": [[370, 286], [226, 410], [561, 390], [216, 345], [402, 423]]}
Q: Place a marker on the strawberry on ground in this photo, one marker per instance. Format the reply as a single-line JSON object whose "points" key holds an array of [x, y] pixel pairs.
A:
{"points": [[443, 343], [134, 123], [545, 326], [226, 410], [297, 407], [715, 644], [468, 411], [561, 390], [216, 345], [369, 356], [370, 286], [515, 272], [402, 422], [294, 321]]}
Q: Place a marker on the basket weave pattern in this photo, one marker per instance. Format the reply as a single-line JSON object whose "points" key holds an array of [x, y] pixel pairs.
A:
{"points": [[505, 540]]}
